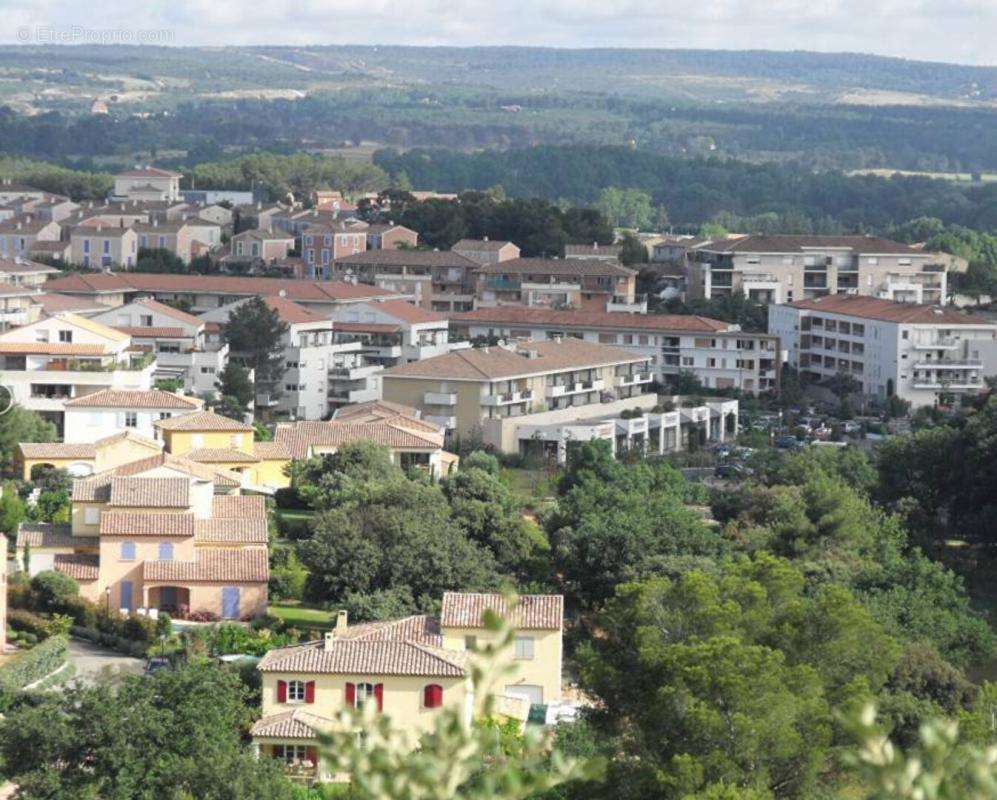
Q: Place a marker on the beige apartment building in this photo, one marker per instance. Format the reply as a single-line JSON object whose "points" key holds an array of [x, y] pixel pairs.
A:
{"points": [[388, 236], [785, 269], [259, 245], [99, 246], [18, 235]]}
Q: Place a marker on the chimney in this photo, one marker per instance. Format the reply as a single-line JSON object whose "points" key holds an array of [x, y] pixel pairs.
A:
{"points": [[330, 637], [484, 238]]}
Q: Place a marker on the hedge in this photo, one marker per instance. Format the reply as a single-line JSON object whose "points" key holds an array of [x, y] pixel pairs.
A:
{"points": [[128, 647], [19, 619], [31, 666]]}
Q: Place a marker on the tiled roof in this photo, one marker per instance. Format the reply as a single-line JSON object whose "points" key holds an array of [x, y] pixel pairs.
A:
{"points": [[174, 313], [498, 363], [79, 566], [292, 313], [53, 303], [56, 450], [366, 327], [220, 455], [150, 492], [21, 266], [125, 523], [231, 530], [888, 311], [271, 451], [53, 348], [418, 628], [213, 565], [407, 258], [592, 319], [133, 399], [531, 612], [51, 534], [407, 312], [481, 245], [583, 250], [235, 505], [575, 267], [378, 409], [798, 244], [296, 724], [152, 333], [361, 657], [298, 437], [202, 421]]}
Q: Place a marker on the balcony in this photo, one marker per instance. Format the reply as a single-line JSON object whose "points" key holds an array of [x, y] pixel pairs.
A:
{"points": [[339, 394], [353, 373], [578, 387], [440, 398], [955, 363], [502, 284], [635, 379], [506, 399], [444, 422], [621, 304], [941, 343]]}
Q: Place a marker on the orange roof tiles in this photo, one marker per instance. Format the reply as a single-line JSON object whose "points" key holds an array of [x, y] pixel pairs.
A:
{"points": [[360, 657], [592, 319], [888, 311], [202, 421], [134, 399], [531, 611], [237, 565]]}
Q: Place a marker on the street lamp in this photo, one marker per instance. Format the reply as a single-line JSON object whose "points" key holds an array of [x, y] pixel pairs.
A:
{"points": [[107, 595]]}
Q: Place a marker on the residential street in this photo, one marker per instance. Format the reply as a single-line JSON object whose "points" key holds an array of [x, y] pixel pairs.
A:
{"points": [[91, 661]]}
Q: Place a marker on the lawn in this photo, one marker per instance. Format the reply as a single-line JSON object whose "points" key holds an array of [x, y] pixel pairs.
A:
{"points": [[300, 616]]}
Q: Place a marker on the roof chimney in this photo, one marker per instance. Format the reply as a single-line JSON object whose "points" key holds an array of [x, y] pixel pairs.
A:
{"points": [[337, 632]]}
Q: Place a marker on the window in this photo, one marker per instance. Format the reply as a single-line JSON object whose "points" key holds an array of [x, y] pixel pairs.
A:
{"points": [[432, 696], [197, 440], [66, 337], [165, 415], [471, 643], [524, 648], [165, 551], [128, 551], [131, 419], [365, 692], [91, 516], [146, 320], [292, 753], [207, 370], [295, 691]]}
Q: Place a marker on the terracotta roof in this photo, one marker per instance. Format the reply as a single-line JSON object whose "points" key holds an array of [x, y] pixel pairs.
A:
{"points": [[498, 363], [134, 399], [53, 348], [201, 421], [213, 565], [583, 250], [235, 505], [407, 258], [481, 245], [56, 450], [126, 523], [888, 311], [220, 455], [378, 409], [299, 437], [575, 267], [51, 534], [150, 492], [799, 244], [271, 451], [531, 612], [418, 628], [592, 319], [296, 724], [79, 566], [360, 657], [153, 333], [366, 327], [21, 266], [292, 313], [175, 313], [53, 303], [231, 530], [407, 312]]}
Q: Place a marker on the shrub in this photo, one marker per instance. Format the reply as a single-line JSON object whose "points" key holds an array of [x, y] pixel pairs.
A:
{"points": [[83, 612], [28, 622], [203, 616], [30, 667], [19, 593], [53, 589]]}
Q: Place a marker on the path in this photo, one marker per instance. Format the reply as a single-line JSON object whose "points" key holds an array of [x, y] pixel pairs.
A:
{"points": [[92, 660]]}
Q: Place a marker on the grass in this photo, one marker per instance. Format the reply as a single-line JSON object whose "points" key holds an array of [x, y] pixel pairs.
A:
{"points": [[299, 616]]}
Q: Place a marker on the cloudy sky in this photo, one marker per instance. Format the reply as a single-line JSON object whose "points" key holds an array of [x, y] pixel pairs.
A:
{"points": [[961, 31]]}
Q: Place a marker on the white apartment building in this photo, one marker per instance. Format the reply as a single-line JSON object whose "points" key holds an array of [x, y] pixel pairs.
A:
{"points": [[784, 269], [322, 373], [48, 362], [178, 339], [918, 353], [93, 416], [147, 183], [718, 353], [393, 332]]}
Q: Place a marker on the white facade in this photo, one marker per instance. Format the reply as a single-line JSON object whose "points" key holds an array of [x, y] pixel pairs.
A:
{"points": [[87, 425], [420, 334]]}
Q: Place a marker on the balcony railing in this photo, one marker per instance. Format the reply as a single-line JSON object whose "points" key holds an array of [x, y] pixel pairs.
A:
{"points": [[561, 389], [507, 398], [440, 398]]}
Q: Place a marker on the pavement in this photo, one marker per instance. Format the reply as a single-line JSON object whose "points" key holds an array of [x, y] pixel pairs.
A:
{"points": [[92, 661]]}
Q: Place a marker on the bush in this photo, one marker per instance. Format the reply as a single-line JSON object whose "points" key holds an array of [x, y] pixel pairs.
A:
{"points": [[19, 593], [53, 589], [109, 640], [28, 622], [203, 616], [30, 667], [83, 612]]}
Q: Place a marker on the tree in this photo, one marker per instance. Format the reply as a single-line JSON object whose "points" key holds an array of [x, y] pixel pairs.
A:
{"points": [[632, 250], [12, 510], [53, 589], [158, 259], [21, 425], [255, 334], [626, 208], [235, 391]]}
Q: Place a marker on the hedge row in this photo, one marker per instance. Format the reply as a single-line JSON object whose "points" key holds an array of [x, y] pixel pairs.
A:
{"points": [[31, 666], [128, 647]]}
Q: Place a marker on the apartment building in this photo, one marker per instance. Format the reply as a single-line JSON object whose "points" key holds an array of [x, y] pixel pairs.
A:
{"points": [[178, 339], [99, 246], [259, 246], [393, 332], [389, 236], [485, 250], [718, 353], [147, 183], [410, 668], [601, 252], [201, 293], [785, 269], [91, 417], [19, 234], [49, 362], [322, 371], [437, 280], [921, 354], [325, 244], [18, 306], [61, 251], [18, 271], [162, 534], [582, 284], [186, 239]]}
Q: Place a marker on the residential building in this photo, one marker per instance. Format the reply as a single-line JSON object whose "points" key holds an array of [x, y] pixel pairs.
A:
{"points": [[18, 235], [212, 197], [259, 246], [61, 251], [485, 250], [179, 340], [80, 459], [921, 354], [294, 221], [18, 271], [392, 332], [247, 216], [718, 353], [17, 306], [186, 239], [9, 190], [160, 534], [323, 245], [147, 183], [90, 417], [784, 269], [215, 214], [583, 284], [50, 303], [47, 363], [410, 668], [388, 236], [434, 279], [600, 252], [98, 246]]}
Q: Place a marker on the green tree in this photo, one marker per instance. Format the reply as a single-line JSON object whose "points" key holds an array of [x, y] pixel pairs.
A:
{"points": [[626, 208], [157, 259], [54, 589], [21, 425], [12, 510], [235, 391], [255, 334]]}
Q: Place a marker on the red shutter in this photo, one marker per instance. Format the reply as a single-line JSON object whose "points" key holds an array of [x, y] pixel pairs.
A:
{"points": [[311, 754], [432, 696], [281, 691], [437, 695], [351, 694], [310, 692], [379, 695]]}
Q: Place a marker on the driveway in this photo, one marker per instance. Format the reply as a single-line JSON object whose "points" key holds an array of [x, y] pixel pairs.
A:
{"points": [[92, 661]]}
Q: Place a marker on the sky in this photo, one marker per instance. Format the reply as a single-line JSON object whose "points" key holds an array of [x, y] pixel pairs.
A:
{"points": [[960, 31]]}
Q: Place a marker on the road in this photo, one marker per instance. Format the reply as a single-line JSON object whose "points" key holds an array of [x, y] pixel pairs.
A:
{"points": [[91, 662]]}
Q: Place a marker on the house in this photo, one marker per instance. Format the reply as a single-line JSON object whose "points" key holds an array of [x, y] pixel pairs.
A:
{"points": [[259, 245], [49, 304], [91, 416], [18, 271], [159, 534], [922, 354], [19, 234], [601, 252], [410, 669], [389, 236], [17, 306], [718, 353], [179, 340], [80, 459], [61, 251], [185, 238], [147, 183], [485, 250], [210, 197], [324, 244], [583, 284], [214, 214], [435, 280], [98, 246], [53, 360], [784, 269], [392, 332], [247, 216]]}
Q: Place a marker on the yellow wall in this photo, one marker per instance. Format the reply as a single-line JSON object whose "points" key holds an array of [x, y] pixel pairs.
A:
{"points": [[180, 442], [58, 463], [271, 473], [544, 670]]}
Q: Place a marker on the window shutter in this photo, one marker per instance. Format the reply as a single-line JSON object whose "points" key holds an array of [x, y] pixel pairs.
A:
{"points": [[281, 691], [351, 694], [432, 696], [310, 692], [379, 695], [311, 754]]}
